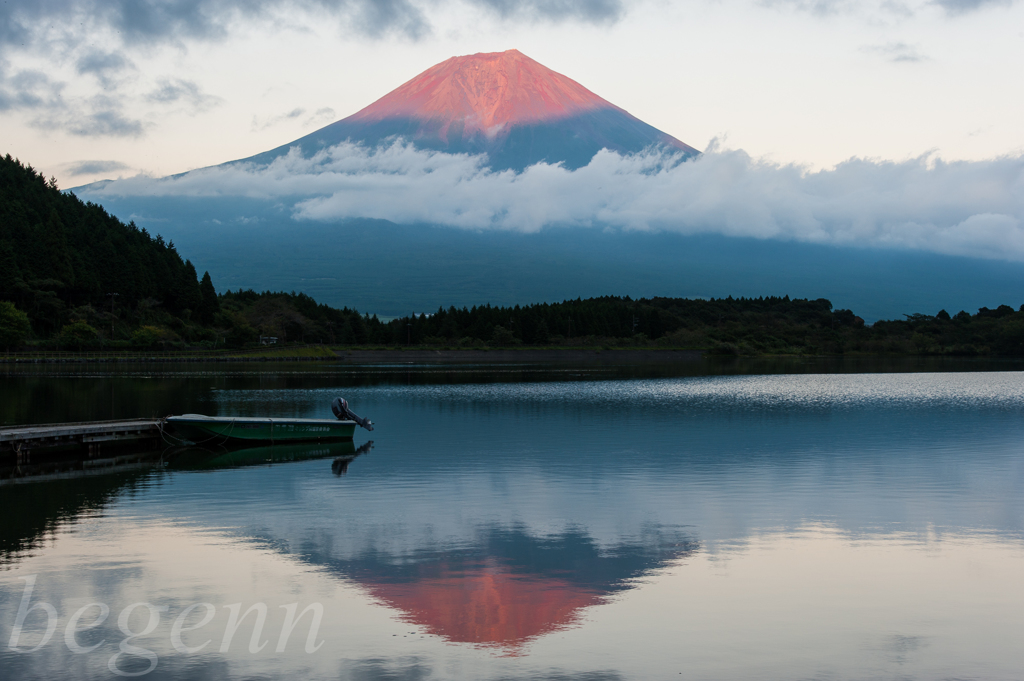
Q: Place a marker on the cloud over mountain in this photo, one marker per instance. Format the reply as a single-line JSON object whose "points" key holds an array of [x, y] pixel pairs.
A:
{"points": [[969, 208], [91, 167]]}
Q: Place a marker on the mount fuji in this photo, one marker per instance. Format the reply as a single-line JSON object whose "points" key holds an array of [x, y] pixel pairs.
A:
{"points": [[490, 178], [502, 104]]}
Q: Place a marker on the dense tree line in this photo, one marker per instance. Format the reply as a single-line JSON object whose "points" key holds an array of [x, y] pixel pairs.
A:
{"points": [[623, 319], [767, 325], [59, 255], [293, 317], [726, 326]]}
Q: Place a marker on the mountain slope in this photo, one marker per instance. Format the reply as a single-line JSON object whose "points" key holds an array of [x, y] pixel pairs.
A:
{"points": [[504, 104], [519, 112], [393, 269]]}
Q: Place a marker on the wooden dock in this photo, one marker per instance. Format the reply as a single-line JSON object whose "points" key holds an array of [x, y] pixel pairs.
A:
{"points": [[90, 435]]}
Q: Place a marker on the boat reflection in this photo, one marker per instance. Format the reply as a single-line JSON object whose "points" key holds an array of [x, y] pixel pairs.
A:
{"points": [[203, 458], [511, 587]]}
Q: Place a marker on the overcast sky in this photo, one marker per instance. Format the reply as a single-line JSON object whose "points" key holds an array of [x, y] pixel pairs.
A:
{"points": [[108, 88]]}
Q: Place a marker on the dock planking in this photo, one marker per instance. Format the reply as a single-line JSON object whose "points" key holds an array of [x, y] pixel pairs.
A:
{"points": [[22, 440]]}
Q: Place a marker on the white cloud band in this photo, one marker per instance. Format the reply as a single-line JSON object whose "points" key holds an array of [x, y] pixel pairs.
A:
{"points": [[969, 208]]}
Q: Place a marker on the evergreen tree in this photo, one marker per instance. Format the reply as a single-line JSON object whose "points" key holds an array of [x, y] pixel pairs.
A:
{"points": [[191, 296], [209, 306]]}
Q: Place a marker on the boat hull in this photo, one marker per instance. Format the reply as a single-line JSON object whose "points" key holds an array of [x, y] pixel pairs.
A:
{"points": [[200, 429]]}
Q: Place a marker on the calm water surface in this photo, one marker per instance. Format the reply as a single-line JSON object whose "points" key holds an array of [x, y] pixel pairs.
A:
{"points": [[574, 523]]}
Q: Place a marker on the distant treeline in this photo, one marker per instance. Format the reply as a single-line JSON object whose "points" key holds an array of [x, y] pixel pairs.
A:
{"points": [[294, 318], [74, 277], [730, 326]]}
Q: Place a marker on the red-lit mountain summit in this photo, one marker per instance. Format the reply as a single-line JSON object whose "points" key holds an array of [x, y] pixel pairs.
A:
{"points": [[487, 94], [504, 104]]}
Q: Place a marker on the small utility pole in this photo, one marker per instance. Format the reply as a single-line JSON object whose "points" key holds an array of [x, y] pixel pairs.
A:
{"points": [[112, 296]]}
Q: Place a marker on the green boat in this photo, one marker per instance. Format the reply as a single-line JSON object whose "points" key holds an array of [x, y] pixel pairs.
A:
{"points": [[202, 429]]}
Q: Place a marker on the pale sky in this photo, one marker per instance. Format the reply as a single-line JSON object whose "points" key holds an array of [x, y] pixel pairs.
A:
{"points": [[105, 89]]}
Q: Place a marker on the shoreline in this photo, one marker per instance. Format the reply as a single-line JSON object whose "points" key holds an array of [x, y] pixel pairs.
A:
{"points": [[362, 356], [506, 356], [467, 356]]}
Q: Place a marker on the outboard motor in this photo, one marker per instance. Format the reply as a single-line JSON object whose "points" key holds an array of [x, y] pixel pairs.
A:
{"points": [[340, 465], [340, 408]]}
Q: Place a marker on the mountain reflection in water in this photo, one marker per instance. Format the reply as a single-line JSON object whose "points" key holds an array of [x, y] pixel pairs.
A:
{"points": [[510, 586], [501, 587]]}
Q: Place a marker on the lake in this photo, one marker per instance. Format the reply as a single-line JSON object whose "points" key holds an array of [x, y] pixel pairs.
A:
{"points": [[773, 519]]}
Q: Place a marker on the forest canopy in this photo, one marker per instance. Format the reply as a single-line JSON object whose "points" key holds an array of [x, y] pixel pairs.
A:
{"points": [[61, 258]]}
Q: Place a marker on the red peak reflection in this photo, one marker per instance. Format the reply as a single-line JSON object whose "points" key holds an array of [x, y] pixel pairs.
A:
{"points": [[488, 604]]}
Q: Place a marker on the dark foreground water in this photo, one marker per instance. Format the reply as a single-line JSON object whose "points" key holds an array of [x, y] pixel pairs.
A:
{"points": [[572, 523]]}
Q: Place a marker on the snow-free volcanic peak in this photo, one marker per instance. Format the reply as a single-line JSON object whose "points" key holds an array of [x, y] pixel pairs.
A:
{"points": [[504, 104], [486, 93]]}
